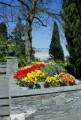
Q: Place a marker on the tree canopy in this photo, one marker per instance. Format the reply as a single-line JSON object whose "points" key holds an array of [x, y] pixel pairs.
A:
{"points": [[3, 31], [72, 27]]}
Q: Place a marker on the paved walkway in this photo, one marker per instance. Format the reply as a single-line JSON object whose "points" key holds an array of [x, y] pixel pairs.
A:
{"points": [[22, 110]]}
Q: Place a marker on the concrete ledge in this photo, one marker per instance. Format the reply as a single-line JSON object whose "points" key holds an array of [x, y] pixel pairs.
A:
{"points": [[5, 118], [61, 103], [4, 110], [22, 91]]}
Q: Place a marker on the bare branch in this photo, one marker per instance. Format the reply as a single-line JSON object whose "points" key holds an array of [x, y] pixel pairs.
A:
{"points": [[7, 4], [52, 14], [40, 21], [23, 3], [12, 1]]}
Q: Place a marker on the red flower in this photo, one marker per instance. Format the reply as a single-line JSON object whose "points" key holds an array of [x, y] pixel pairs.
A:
{"points": [[23, 72]]}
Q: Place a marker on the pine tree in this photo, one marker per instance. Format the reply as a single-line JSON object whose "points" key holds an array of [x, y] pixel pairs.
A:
{"points": [[55, 49], [17, 36], [3, 41], [19, 31], [3, 31]]}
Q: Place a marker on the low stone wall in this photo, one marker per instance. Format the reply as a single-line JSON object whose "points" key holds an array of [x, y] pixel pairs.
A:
{"points": [[61, 103], [2, 68], [4, 98], [6, 71]]}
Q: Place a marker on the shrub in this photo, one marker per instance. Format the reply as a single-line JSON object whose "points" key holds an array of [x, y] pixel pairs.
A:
{"points": [[22, 61], [51, 69]]}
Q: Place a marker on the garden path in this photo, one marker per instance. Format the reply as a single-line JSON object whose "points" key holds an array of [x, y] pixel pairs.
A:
{"points": [[67, 102]]}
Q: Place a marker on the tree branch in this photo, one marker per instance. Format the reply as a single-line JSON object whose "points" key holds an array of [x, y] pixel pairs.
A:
{"points": [[40, 21], [7, 4], [48, 12], [23, 3]]}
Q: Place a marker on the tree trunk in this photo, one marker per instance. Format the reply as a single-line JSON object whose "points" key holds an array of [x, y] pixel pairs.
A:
{"points": [[28, 42], [28, 35]]}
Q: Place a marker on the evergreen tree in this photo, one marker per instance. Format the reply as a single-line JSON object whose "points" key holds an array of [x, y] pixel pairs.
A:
{"points": [[3, 31], [3, 41], [55, 49], [72, 27], [18, 36], [19, 31]]}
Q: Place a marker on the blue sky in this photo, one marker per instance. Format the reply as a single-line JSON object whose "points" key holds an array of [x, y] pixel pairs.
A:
{"points": [[42, 36]]}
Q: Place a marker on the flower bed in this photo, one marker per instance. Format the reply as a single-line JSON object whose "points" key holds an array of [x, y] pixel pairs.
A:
{"points": [[52, 74]]}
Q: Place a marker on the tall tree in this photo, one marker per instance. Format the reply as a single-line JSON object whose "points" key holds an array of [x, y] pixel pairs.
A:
{"points": [[33, 11], [19, 30], [55, 50], [18, 36], [3, 41], [3, 31], [72, 27]]}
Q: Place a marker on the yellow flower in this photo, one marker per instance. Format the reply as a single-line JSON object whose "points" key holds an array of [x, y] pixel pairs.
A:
{"points": [[51, 79], [24, 79]]}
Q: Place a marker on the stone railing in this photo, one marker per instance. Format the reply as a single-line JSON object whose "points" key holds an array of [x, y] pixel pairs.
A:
{"points": [[3, 68], [4, 97], [6, 70]]}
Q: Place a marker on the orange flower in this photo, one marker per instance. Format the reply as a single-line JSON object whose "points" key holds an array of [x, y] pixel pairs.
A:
{"points": [[64, 80], [66, 77], [71, 80]]}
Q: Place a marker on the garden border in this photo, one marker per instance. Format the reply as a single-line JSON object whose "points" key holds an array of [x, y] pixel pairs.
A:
{"points": [[23, 91]]}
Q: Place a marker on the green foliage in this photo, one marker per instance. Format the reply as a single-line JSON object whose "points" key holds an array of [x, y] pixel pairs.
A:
{"points": [[3, 59], [51, 69], [3, 51], [6, 48], [29, 85], [55, 50], [18, 37], [22, 61], [3, 42], [72, 27], [3, 31]]}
